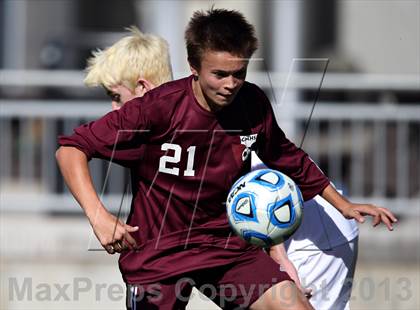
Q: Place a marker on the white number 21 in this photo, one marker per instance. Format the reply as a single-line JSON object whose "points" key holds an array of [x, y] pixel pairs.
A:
{"points": [[176, 158]]}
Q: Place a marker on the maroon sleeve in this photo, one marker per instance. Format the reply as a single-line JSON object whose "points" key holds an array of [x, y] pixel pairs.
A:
{"points": [[279, 153], [117, 135]]}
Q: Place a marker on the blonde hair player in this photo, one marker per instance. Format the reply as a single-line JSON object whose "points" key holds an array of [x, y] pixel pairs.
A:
{"points": [[129, 68]]}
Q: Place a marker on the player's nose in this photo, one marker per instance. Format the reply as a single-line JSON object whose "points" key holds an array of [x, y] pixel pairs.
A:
{"points": [[231, 83]]}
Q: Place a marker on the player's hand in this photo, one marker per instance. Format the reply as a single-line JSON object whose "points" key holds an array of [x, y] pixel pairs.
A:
{"points": [[113, 234], [358, 211], [380, 215]]}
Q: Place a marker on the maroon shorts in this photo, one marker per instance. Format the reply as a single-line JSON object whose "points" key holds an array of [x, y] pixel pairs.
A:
{"points": [[231, 286]]}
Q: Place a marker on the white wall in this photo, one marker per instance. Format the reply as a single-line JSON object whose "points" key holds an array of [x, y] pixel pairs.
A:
{"points": [[381, 36]]}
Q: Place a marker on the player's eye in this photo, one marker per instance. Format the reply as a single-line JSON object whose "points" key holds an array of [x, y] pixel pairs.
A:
{"points": [[220, 75], [114, 96]]}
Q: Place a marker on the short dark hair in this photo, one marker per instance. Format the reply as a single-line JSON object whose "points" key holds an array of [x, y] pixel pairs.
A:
{"points": [[219, 30]]}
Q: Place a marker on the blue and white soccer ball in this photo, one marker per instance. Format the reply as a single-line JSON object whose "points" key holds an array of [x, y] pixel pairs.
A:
{"points": [[264, 207]]}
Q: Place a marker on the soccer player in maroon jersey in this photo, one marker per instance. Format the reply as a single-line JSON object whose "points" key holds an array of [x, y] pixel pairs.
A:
{"points": [[182, 142], [129, 68]]}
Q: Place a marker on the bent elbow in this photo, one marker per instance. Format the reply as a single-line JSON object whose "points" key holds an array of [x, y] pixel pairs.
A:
{"points": [[58, 153]]}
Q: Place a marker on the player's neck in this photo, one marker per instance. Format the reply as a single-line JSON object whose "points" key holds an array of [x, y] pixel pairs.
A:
{"points": [[204, 102]]}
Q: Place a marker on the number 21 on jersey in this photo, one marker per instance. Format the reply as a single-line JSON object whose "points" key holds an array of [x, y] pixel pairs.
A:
{"points": [[176, 158]]}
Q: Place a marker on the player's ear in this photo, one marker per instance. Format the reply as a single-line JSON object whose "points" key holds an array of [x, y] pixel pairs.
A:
{"points": [[143, 86], [194, 70]]}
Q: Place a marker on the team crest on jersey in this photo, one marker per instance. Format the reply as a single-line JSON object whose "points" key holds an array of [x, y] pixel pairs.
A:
{"points": [[248, 141]]}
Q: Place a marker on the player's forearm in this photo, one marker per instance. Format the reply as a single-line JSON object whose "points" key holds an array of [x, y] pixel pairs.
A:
{"points": [[331, 195], [278, 253], [74, 168]]}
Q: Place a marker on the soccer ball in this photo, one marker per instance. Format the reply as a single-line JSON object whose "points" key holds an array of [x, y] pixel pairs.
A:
{"points": [[264, 207]]}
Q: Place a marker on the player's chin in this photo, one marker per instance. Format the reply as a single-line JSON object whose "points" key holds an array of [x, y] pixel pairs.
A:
{"points": [[223, 101]]}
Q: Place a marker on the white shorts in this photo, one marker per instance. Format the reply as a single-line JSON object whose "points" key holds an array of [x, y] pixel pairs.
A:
{"points": [[329, 273]]}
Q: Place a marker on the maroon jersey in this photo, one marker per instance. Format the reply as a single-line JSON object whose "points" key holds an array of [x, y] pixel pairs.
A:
{"points": [[183, 161]]}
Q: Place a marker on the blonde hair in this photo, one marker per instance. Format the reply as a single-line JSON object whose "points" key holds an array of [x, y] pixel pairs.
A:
{"points": [[132, 57]]}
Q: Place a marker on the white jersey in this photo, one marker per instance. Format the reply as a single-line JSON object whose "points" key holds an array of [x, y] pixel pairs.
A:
{"points": [[323, 227], [323, 251]]}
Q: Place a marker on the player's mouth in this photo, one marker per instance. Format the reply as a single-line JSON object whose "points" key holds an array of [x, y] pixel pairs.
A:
{"points": [[225, 96]]}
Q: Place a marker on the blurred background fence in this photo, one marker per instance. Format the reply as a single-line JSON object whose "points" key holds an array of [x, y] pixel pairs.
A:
{"points": [[370, 149]]}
